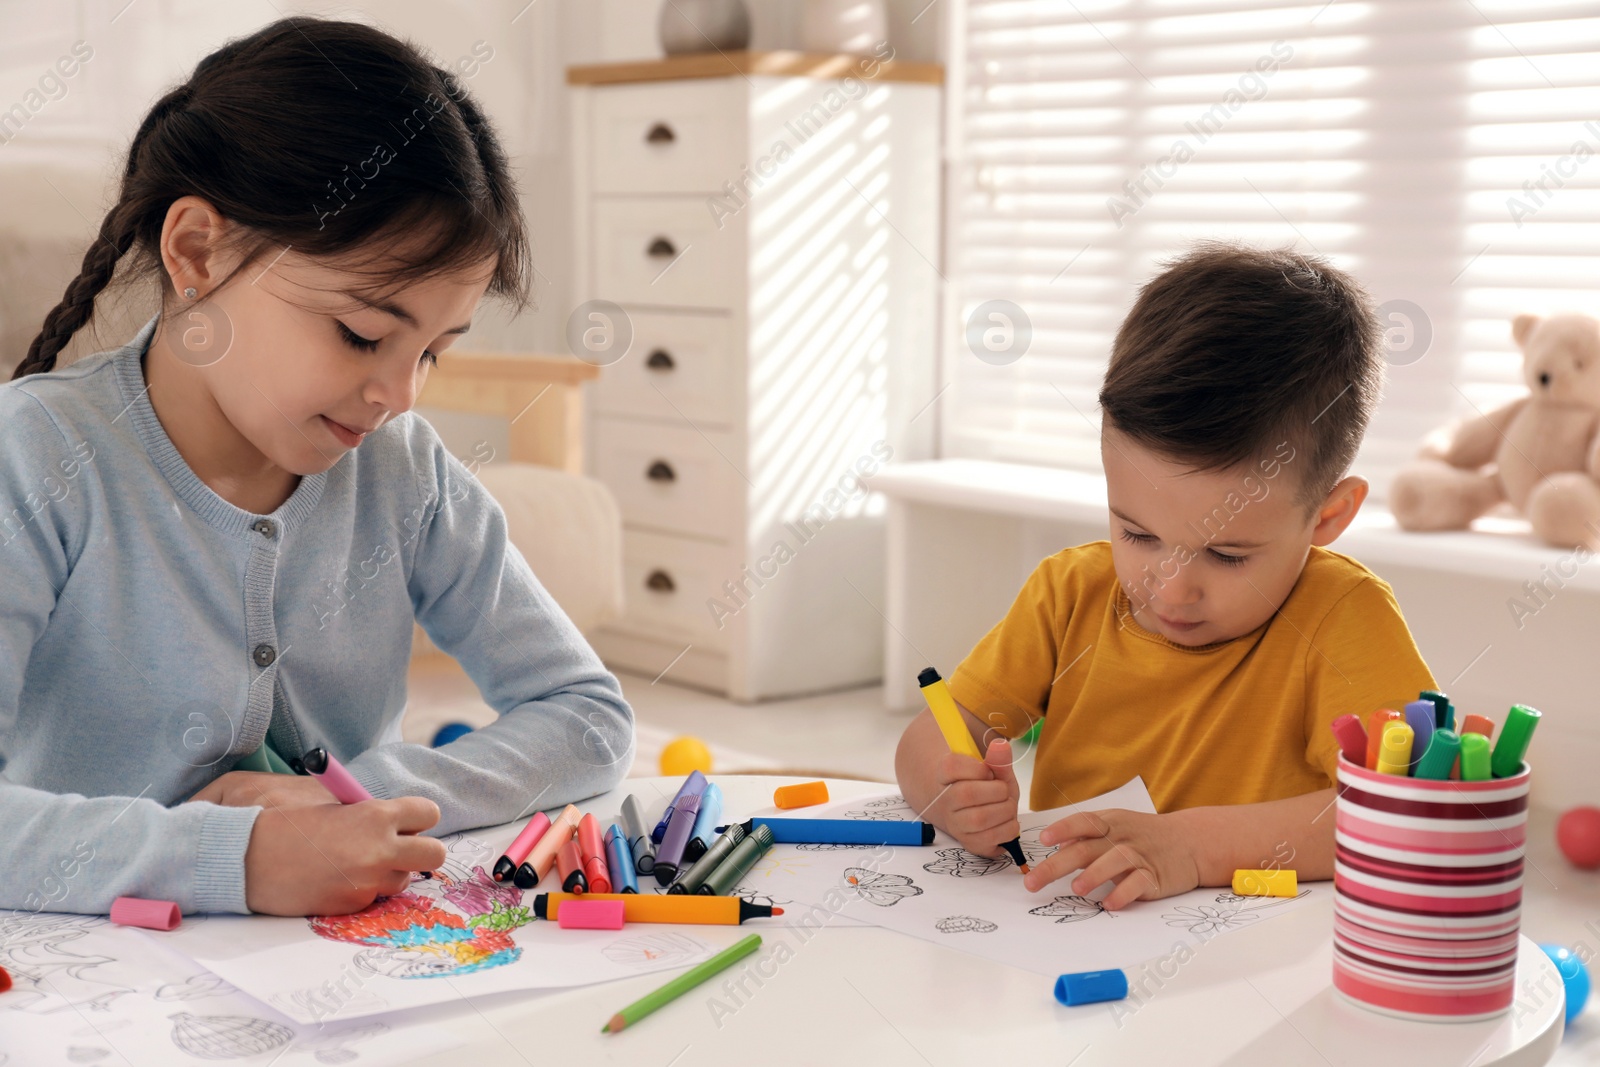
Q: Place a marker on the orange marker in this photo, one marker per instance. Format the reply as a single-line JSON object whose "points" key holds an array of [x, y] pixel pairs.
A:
{"points": [[1375, 724], [1478, 724], [801, 796], [593, 850], [569, 866], [650, 908], [543, 856]]}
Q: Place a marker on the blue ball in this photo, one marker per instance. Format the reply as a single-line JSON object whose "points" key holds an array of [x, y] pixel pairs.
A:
{"points": [[1574, 976], [449, 732]]}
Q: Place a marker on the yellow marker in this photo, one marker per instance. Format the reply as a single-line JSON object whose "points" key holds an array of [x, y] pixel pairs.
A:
{"points": [[1395, 755], [1266, 883], [947, 715]]}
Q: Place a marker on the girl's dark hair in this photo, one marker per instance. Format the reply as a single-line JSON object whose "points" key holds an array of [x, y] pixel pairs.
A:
{"points": [[321, 137]]}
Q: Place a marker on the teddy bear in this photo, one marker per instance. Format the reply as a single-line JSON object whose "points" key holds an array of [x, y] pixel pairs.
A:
{"points": [[1540, 452]]}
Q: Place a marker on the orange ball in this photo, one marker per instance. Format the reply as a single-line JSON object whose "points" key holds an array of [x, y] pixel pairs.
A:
{"points": [[1578, 834]]}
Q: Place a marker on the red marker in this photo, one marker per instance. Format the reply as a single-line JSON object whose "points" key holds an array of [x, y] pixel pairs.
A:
{"points": [[569, 868], [592, 849], [506, 866], [1352, 738]]}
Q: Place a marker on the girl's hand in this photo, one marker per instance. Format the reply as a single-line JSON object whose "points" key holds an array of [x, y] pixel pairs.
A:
{"points": [[333, 859], [1148, 856], [244, 789], [977, 799]]}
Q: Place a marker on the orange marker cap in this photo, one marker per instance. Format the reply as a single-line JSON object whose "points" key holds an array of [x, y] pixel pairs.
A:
{"points": [[1478, 724], [801, 796], [1375, 726]]}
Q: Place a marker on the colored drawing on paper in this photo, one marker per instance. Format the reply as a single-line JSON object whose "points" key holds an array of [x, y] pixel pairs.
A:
{"points": [[884, 890], [652, 950], [1071, 909], [777, 867], [965, 924], [442, 927]]}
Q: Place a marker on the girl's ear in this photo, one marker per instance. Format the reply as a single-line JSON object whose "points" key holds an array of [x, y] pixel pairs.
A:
{"points": [[192, 244], [1339, 510]]}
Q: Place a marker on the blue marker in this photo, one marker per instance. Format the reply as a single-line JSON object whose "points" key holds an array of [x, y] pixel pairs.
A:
{"points": [[670, 857], [619, 857], [693, 785], [843, 831], [705, 824]]}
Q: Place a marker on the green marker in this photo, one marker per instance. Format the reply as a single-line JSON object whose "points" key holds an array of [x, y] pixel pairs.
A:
{"points": [[1514, 738], [265, 760], [682, 984], [1444, 712], [1474, 757], [1441, 755], [721, 882], [695, 876]]}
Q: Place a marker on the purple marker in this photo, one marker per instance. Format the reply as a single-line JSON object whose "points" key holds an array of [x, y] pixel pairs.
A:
{"points": [[338, 781], [679, 830], [1421, 717], [693, 785]]}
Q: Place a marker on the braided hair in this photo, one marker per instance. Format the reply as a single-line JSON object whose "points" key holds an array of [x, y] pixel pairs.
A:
{"points": [[321, 136]]}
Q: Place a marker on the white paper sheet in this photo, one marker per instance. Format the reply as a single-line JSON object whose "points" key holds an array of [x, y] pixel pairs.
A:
{"points": [[455, 936], [85, 992], [944, 894]]}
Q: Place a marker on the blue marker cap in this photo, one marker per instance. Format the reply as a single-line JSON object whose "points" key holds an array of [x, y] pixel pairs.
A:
{"points": [[1091, 987]]}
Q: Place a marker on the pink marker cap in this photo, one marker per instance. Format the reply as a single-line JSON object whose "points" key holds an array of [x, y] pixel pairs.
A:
{"points": [[590, 915], [150, 914]]}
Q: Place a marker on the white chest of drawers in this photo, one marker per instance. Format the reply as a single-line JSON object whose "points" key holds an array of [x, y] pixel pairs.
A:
{"points": [[769, 225]]}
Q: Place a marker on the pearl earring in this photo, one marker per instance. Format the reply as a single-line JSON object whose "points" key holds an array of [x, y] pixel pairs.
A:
{"points": [[191, 292]]}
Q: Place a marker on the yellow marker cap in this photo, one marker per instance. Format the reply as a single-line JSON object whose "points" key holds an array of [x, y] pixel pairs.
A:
{"points": [[801, 796], [1266, 883], [1395, 755]]}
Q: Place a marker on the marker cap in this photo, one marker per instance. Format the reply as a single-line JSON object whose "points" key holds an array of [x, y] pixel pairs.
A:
{"points": [[150, 914], [1278, 883], [802, 795], [1091, 987], [1514, 737], [591, 915]]}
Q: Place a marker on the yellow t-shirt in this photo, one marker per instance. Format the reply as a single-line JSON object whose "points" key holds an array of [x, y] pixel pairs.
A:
{"points": [[1235, 722]]}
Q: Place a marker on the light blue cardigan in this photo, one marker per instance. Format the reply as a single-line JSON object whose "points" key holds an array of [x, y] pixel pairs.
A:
{"points": [[151, 634]]}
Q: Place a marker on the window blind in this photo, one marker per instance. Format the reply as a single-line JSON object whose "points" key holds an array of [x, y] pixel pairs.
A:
{"points": [[1445, 151]]}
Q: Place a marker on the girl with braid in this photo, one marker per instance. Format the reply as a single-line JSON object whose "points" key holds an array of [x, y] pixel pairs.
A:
{"points": [[214, 540]]}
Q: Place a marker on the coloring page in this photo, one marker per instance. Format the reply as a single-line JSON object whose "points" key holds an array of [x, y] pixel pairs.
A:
{"points": [[88, 992], [456, 935], [945, 894]]}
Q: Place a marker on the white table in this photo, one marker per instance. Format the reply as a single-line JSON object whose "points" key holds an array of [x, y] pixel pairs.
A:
{"points": [[880, 998]]}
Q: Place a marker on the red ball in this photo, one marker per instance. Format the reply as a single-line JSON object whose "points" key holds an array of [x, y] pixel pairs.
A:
{"points": [[1578, 834]]}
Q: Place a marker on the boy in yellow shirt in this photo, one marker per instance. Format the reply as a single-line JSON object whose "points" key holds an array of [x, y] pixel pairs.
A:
{"points": [[1210, 643]]}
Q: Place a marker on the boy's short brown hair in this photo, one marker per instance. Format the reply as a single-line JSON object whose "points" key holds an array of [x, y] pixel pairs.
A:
{"points": [[1231, 350]]}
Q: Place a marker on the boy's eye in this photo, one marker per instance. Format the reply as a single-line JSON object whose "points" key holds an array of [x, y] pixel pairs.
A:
{"points": [[1227, 560], [1138, 538], [355, 340]]}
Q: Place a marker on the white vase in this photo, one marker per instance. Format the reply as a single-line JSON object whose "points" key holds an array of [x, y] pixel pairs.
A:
{"points": [[856, 26], [690, 26]]}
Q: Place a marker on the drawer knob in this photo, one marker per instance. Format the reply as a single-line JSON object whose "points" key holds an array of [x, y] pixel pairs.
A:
{"points": [[660, 359], [661, 471], [660, 582], [661, 247], [661, 133]]}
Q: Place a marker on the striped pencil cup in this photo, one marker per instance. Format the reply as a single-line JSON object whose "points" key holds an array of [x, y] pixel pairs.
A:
{"points": [[1428, 893]]}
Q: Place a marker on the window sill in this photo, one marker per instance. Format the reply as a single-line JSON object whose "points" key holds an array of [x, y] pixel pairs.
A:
{"points": [[1498, 548]]}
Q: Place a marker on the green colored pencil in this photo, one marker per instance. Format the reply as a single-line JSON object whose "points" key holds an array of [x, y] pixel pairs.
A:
{"points": [[681, 984]]}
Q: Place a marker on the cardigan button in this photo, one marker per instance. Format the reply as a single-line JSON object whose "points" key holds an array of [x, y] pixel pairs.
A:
{"points": [[264, 655], [264, 527]]}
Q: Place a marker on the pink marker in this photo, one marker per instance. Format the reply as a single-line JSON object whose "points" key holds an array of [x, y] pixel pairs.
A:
{"points": [[340, 782], [506, 866], [1352, 738]]}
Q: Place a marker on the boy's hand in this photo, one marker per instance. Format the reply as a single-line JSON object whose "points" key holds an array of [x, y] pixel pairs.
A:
{"points": [[333, 859], [977, 799], [245, 789], [1148, 856]]}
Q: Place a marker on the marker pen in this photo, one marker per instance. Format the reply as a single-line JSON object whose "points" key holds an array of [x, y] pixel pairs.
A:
{"points": [[842, 831], [948, 715], [592, 849], [620, 857], [543, 856], [338, 781], [1375, 724], [705, 824], [695, 876], [670, 857], [693, 785], [1444, 712], [569, 868], [639, 840], [652, 908], [744, 856], [1514, 737], [1474, 758], [1395, 755], [1420, 717], [1442, 753], [506, 866], [1352, 738]]}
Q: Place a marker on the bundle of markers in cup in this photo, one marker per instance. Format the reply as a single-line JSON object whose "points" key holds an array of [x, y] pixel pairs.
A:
{"points": [[1425, 741]]}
